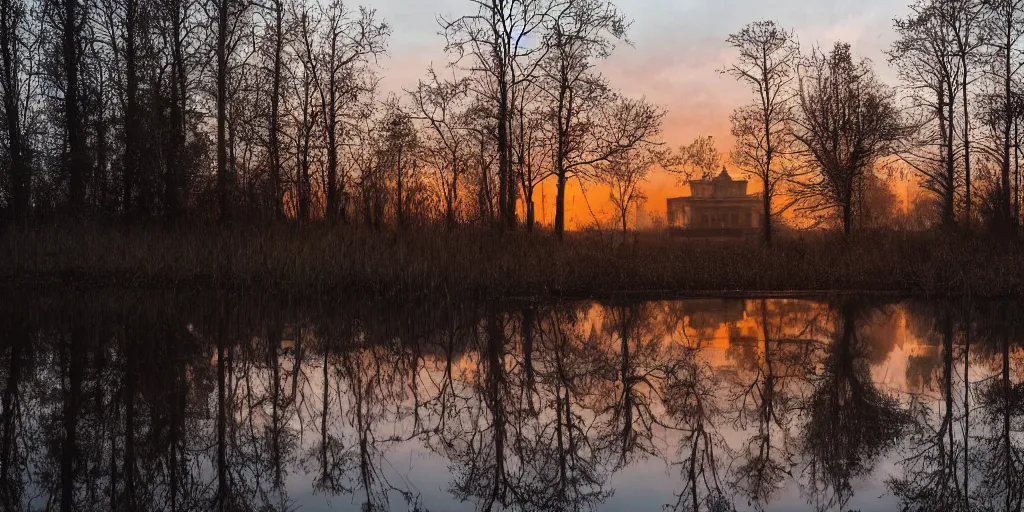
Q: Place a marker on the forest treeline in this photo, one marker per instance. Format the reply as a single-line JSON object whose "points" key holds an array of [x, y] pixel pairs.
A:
{"points": [[270, 110]]}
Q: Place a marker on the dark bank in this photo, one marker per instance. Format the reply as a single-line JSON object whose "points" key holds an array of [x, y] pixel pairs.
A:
{"points": [[427, 263]]}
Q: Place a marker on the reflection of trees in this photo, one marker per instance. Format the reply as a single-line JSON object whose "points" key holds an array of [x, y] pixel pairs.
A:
{"points": [[934, 454], [72, 357], [692, 394], [15, 343], [850, 423], [691, 403], [513, 413], [362, 376], [373, 390], [534, 406], [564, 461], [327, 450], [766, 402], [175, 381], [476, 438], [636, 367], [1000, 452]]}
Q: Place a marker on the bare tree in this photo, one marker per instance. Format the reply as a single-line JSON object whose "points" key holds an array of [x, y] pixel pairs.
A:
{"points": [[926, 58], [177, 28], [767, 54], [500, 41], [847, 121], [441, 106], [277, 44], [965, 19], [531, 146], [304, 116], [701, 155], [230, 22], [132, 109], [223, 182], [1004, 27], [400, 143], [625, 173], [482, 132], [614, 129], [14, 42], [69, 18], [350, 41], [581, 32]]}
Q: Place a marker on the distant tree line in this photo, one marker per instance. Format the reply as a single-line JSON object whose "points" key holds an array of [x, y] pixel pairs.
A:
{"points": [[823, 132], [243, 110], [270, 110]]}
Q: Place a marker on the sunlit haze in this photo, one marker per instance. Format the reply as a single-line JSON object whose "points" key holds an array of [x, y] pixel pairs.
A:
{"points": [[677, 48]]}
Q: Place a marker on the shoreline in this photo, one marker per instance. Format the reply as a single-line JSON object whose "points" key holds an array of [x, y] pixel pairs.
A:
{"points": [[474, 264]]}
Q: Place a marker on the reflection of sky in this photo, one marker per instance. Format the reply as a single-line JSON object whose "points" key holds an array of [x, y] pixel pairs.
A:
{"points": [[893, 335], [652, 482]]}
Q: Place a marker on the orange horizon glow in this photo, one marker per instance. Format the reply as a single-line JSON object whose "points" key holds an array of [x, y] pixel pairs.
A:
{"points": [[672, 58], [584, 210]]}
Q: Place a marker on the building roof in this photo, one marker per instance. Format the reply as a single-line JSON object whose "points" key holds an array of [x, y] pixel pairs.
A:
{"points": [[720, 188], [723, 176]]}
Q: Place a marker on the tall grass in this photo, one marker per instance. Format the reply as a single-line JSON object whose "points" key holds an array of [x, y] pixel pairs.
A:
{"points": [[477, 263]]}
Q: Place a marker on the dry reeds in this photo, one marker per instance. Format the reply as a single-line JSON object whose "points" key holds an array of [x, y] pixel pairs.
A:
{"points": [[478, 263]]}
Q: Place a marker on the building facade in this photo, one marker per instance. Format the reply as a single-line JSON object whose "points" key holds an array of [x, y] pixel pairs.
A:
{"points": [[719, 206]]}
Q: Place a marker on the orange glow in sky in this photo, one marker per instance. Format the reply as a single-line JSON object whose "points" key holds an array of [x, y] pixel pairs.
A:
{"points": [[672, 58]]}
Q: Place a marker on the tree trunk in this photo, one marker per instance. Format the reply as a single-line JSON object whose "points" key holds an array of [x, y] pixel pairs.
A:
{"points": [[562, 130], [766, 102], [530, 209], [946, 157], [333, 195], [99, 175], [451, 197], [1004, 170], [560, 203], [76, 159], [485, 204], [223, 180], [304, 192], [767, 213], [967, 141], [20, 173], [507, 219], [399, 210], [951, 152], [131, 109], [174, 174], [275, 101], [847, 216], [1016, 171]]}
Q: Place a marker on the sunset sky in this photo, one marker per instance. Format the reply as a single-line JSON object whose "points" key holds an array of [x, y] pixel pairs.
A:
{"points": [[677, 47]]}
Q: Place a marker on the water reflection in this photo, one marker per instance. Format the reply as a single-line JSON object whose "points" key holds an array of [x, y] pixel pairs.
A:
{"points": [[221, 403]]}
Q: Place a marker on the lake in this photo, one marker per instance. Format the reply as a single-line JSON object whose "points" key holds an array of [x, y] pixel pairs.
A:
{"points": [[133, 402]]}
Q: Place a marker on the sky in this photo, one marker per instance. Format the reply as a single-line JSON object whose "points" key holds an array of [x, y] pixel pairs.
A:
{"points": [[677, 48]]}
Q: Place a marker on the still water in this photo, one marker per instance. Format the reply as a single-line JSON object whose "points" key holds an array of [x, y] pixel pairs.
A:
{"points": [[848, 403]]}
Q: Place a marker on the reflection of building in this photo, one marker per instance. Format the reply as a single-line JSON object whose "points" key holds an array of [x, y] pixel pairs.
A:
{"points": [[709, 314], [716, 206]]}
